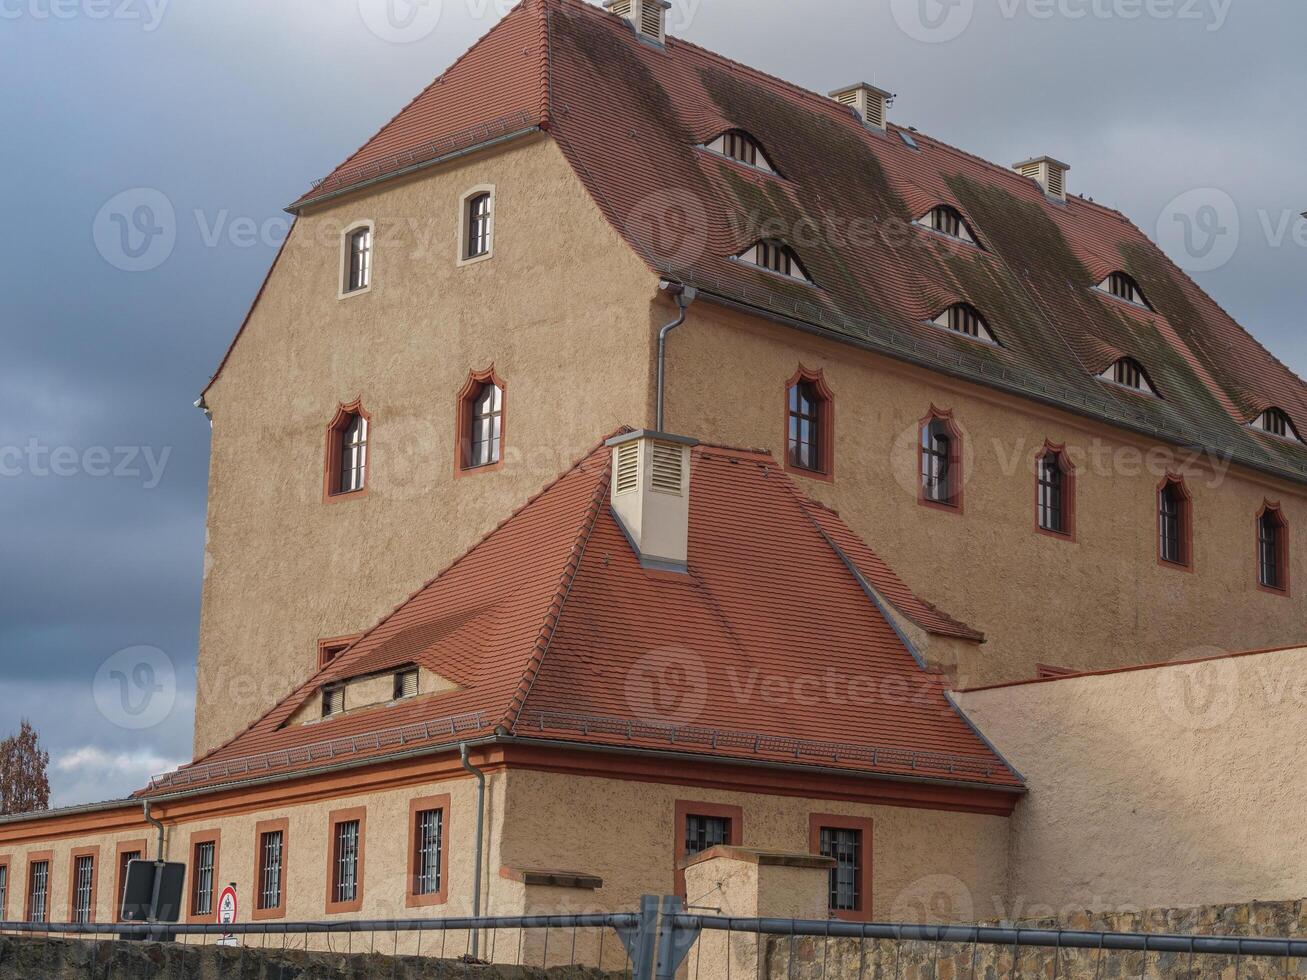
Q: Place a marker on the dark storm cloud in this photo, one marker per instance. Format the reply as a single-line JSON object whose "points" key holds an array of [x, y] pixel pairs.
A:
{"points": [[225, 111]]}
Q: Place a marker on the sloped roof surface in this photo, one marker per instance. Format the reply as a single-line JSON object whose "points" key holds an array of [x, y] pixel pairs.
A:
{"points": [[630, 117], [768, 649]]}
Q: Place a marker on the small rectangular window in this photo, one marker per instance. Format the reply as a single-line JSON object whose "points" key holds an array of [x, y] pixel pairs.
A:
{"points": [[487, 426], [333, 701], [845, 846], [701, 833], [271, 857], [359, 273], [406, 684], [83, 889], [345, 883], [124, 860], [203, 865], [4, 892], [479, 229], [38, 892]]}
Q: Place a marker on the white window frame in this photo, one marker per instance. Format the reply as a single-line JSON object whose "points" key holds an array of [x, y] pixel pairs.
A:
{"points": [[968, 237], [464, 221], [986, 336], [1145, 382], [718, 148], [797, 272], [346, 236], [1104, 288]]}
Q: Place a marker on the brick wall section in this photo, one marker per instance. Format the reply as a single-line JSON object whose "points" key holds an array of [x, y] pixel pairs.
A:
{"points": [[815, 959], [56, 959]]}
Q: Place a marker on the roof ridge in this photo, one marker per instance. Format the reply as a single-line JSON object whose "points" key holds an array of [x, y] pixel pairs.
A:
{"points": [[555, 612]]}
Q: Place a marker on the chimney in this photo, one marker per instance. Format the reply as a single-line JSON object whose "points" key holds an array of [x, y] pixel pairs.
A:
{"points": [[648, 18], [1048, 173], [651, 496], [871, 103]]}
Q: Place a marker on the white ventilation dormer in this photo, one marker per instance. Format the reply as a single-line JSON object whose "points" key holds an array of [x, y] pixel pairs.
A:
{"points": [[648, 18], [870, 102], [1048, 173], [651, 496]]}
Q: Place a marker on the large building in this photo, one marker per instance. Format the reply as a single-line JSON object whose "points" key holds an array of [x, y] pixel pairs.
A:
{"points": [[939, 424]]}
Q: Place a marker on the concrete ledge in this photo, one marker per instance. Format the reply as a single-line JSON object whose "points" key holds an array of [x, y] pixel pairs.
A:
{"points": [[775, 859], [555, 879]]}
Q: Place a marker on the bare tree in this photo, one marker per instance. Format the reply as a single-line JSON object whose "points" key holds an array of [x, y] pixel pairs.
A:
{"points": [[24, 780]]}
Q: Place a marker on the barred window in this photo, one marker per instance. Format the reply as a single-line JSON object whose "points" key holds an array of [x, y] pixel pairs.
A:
{"points": [[345, 862], [203, 864], [124, 861], [359, 273], [701, 833], [845, 846], [272, 848], [83, 889], [4, 891], [428, 852], [38, 892], [479, 227]]}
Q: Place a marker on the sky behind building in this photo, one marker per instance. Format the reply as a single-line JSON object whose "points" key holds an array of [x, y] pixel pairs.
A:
{"points": [[150, 147]]}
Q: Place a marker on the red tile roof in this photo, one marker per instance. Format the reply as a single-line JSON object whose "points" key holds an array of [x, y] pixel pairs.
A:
{"points": [[630, 116], [768, 649]]}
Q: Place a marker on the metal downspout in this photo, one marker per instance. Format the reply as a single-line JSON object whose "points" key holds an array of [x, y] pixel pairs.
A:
{"points": [[684, 297], [480, 843], [158, 862]]}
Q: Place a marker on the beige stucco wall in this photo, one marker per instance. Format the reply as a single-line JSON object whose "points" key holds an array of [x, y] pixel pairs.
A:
{"points": [[1168, 787], [562, 309], [1101, 601], [624, 831]]}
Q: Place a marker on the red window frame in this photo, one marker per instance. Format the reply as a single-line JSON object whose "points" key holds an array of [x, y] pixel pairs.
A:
{"points": [[472, 388], [683, 810], [954, 503], [199, 837], [121, 851], [335, 819], [865, 827], [417, 807], [1068, 470], [261, 829], [331, 485], [824, 400], [1282, 548], [1185, 524]]}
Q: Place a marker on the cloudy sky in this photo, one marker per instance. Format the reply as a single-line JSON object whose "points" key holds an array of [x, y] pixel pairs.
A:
{"points": [[219, 112]]}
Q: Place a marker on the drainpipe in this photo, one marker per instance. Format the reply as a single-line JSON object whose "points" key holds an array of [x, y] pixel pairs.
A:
{"points": [[481, 818], [158, 863], [684, 295]]}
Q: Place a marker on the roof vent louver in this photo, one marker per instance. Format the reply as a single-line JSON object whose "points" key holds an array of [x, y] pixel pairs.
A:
{"points": [[870, 102], [651, 496], [648, 18], [1048, 173]]}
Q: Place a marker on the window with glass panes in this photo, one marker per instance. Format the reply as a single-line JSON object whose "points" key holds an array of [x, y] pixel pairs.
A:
{"points": [[1052, 494], [203, 864], [38, 892], [938, 481], [478, 226], [845, 846], [353, 456], [345, 862], [487, 421], [360, 260], [4, 891], [805, 426], [124, 859], [1171, 518], [271, 857], [1271, 551], [430, 829]]}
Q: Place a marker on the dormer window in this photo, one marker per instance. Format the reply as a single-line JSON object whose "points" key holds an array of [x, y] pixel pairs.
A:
{"points": [[406, 684], [965, 319], [1276, 422], [333, 700], [740, 146], [776, 257], [1120, 285], [1128, 373], [947, 221]]}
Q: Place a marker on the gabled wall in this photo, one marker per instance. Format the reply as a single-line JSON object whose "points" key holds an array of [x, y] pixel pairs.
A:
{"points": [[562, 311]]}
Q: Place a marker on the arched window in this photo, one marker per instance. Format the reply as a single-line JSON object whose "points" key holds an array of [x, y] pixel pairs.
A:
{"points": [[1273, 550], [1122, 286], [941, 461], [965, 319], [740, 146], [1129, 373], [1174, 523], [358, 260], [949, 221], [777, 257], [1276, 422], [481, 422], [347, 451], [1055, 492], [478, 225], [809, 424]]}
